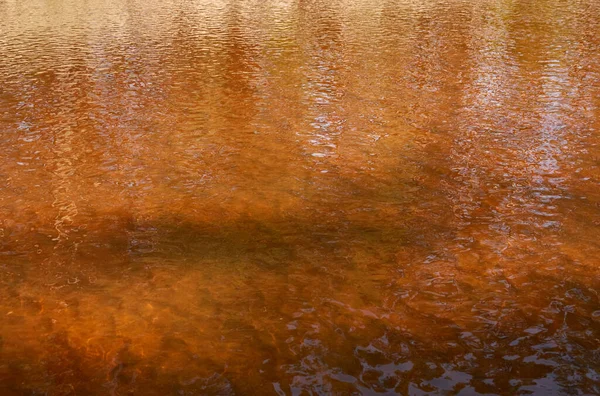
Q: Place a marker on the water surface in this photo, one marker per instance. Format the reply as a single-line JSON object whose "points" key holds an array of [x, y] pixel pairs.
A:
{"points": [[299, 197]]}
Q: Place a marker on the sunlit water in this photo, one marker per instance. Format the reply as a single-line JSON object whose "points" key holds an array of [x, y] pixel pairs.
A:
{"points": [[299, 197]]}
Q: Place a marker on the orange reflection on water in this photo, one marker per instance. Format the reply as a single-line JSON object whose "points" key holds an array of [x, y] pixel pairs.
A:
{"points": [[305, 197]]}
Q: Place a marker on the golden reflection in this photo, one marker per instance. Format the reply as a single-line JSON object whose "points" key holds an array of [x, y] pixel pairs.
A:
{"points": [[243, 197]]}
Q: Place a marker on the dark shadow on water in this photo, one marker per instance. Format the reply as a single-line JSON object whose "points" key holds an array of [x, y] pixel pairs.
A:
{"points": [[165, 306]]}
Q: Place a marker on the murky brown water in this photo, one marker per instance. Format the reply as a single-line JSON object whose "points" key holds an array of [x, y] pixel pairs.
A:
{"points": [[304, 197]]}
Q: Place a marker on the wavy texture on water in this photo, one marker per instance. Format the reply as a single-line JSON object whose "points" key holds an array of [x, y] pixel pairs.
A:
{"points": [[299, 197]]}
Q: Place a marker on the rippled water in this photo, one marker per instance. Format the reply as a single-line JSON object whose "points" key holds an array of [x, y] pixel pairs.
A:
{"points": [[299, 197]]}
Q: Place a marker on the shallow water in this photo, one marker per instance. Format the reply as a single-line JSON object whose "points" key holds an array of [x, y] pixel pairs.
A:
{"points": [[310, 197]]}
